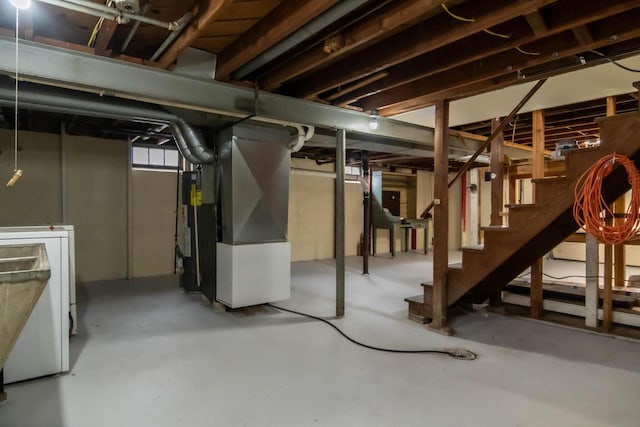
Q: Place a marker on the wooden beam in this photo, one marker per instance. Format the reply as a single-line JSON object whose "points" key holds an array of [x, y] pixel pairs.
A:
{"points": [[441, 217], [203, 17], [351, 88], [90, 50], [427, 36], [479, 46], [583, 35], [536, 288], [502, 64], [538, 148], [537, 23], [468, 135], [497, 174], [387, 21], [104, 36], [285, 19]]}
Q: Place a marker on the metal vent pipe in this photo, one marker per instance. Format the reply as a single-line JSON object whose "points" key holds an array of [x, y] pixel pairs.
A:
{"points": [[188, 139]]}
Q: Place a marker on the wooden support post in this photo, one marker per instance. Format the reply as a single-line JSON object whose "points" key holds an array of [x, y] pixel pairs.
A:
{"points": [[619, 257], [441, 218], [619, 206], [607, 300], [591, 291], [497, 174], [512, 190], [538, 148], [536, 289], [607, 296]]}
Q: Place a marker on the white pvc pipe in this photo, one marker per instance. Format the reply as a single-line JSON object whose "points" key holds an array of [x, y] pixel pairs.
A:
{"points": [[182, 22], [298, 142], [82, 9], [107, 12]]}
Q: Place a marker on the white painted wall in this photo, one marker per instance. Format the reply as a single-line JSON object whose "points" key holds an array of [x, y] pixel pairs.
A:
{"points": [[311, 213], [95, 178]]}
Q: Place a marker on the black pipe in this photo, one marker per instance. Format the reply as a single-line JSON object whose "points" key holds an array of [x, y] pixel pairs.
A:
{"points": [[176, 247], [367, 214]]}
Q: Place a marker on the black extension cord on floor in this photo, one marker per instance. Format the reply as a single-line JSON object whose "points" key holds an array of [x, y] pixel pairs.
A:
{"points": [[456, 353]]}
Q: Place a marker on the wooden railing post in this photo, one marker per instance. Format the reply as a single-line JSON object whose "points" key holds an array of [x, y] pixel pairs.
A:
{"points": [[497, 174]]}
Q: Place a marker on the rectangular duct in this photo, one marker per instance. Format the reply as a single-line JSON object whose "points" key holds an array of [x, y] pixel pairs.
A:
{"points": [[254, 162], [253, 261]]}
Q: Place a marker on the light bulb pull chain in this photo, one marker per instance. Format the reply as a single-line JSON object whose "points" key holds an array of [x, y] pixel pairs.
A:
{"points": [[17, 173]]}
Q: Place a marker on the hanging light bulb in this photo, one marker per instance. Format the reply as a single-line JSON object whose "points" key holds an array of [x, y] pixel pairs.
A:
{"points": [[373, 120], [17, 173], [21, 4]]}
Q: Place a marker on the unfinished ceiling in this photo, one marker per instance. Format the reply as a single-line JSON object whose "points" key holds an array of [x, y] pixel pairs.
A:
{"points": [[376, 55]]}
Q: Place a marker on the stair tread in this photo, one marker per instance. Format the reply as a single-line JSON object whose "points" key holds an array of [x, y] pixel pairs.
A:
{"points": [[582, 150], [549, 179], [473, 248], [417, 298], [520, 205], [495, 227]]}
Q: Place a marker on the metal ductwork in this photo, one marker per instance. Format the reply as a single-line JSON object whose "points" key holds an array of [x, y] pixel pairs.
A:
{"points": [[189, 140], [191, 143]]}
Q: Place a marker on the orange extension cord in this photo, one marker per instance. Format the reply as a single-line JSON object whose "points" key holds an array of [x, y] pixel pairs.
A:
{"points": [[591, 211]]}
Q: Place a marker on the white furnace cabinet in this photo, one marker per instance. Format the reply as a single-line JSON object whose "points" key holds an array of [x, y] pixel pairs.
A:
{"points": [[43, 346]]}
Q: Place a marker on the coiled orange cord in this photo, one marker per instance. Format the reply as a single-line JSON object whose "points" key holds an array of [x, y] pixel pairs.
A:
{"points": [[591, 211]]}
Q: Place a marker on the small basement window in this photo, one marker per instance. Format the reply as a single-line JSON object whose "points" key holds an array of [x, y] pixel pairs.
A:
{"points": [[155, 158]]}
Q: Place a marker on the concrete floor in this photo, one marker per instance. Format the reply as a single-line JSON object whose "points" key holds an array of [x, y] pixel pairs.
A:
{"points": [[148, 354]]}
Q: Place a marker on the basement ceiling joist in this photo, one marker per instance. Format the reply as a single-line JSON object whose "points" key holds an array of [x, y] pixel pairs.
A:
{"points": [[393, 56], [388, 55]]}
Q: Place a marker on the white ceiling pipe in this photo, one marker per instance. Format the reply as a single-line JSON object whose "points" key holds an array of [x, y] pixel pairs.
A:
{"points": [[134, 29], [298, 141], [82, 9], [107, 12], [182, 22]]}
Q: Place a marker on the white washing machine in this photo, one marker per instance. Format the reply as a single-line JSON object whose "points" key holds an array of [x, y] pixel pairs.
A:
{"points": [[43, 346]]}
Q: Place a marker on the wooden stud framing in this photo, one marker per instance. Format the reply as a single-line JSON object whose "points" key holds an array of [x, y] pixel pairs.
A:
{"points": [[538, 147]]}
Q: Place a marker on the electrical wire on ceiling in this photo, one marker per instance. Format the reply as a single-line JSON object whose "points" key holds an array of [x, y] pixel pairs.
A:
{"points": [[97, 28], [463, 19], [17, 173], [456, 353], [590, 205], [486, 30], [527, 52], [614, 62]]}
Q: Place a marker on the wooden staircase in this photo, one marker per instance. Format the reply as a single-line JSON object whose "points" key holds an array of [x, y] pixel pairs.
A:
{"points": [[534, 229]]}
